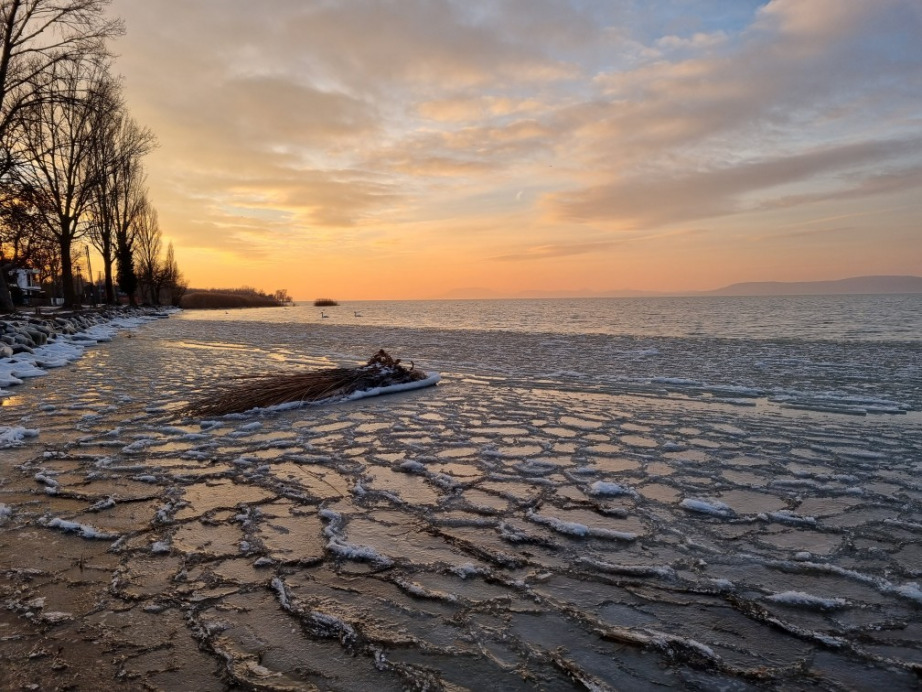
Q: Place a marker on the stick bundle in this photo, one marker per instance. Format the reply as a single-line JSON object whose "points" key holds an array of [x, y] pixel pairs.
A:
{"points": [[260, 391]]}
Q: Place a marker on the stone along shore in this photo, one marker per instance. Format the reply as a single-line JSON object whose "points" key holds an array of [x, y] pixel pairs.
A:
{"points": [[31, 343]]}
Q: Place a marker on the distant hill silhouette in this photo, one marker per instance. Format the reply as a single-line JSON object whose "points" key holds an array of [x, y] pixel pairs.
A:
{"points": [[853, 285]]}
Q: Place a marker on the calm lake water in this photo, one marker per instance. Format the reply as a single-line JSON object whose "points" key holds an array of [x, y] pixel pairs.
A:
{"points": [[852, 318]]}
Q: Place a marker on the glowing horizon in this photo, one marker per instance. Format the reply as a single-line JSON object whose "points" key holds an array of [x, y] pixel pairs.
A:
{"points": [[368, 150]]}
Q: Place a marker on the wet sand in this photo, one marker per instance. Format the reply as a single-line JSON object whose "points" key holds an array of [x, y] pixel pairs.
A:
{"points": [[489, 533]]}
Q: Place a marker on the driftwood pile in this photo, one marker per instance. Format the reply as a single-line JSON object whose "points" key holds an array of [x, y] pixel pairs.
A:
{"points": [[260, 391]]}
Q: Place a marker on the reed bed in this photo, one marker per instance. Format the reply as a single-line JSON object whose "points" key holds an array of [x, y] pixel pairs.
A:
{"points": [[247, 392]]}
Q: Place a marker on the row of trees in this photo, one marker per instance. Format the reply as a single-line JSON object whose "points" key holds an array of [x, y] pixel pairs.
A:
{"points": [[71, 155]]}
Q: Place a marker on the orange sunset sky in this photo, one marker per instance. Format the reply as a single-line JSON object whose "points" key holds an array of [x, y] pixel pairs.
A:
{"points": [[366, 149]]}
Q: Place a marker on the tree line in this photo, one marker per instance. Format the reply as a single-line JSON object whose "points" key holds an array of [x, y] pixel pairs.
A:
{"points": [[243, 297], [71, 158]]}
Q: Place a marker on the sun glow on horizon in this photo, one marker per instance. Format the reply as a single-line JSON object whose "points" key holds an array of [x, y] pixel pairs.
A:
{"points": [[475, 148]]}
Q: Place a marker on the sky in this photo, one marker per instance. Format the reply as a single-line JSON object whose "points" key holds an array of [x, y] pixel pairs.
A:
{"points": [[402, 149]]}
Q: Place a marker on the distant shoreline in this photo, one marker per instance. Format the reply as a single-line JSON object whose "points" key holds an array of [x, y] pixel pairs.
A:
{"points": [[226, 301], [856, 285]]}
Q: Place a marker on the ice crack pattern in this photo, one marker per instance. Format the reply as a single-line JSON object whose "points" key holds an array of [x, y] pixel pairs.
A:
{"points": [[623, 522]]}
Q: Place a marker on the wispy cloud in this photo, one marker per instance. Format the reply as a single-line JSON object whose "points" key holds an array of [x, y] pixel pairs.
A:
{"points": [[418, 124], [552, 251], [661, 198]]}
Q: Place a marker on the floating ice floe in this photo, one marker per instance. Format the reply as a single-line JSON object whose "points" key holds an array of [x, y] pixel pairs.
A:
{"points": [[12, 436], [338, 545], [138, 445], [99, 506], [354, 396], [418, 590], [911, 590], [572, 528], [410, 466], [47, 480], [160, 547], [788, 517], [711, 507], [84, 530], [805, 600], [430, 381], [639, 571], [606, 489]]}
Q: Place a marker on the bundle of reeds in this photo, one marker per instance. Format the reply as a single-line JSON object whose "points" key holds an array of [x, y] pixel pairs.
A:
{"points": [[259, 391]]}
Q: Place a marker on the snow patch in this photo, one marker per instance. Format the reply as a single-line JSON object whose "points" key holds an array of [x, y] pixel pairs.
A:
{"points": [[13, 436], [713, 508], [805, 600], [83, 530], [605, 489]]}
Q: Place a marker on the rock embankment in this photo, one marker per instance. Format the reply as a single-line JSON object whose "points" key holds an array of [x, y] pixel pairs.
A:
{"points": [[21, 333], [31, 344]]}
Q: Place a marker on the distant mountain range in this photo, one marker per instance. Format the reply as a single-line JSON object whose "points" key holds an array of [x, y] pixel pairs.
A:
{"points": [[853, 285]]}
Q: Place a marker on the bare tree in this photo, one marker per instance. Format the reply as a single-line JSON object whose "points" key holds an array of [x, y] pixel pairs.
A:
{"points": [[148, 245], [120, 195], [36, 36], [20, 234], [170, 278], [58, 134]]}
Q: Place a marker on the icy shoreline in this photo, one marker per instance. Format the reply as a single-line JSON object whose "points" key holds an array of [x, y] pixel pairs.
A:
{"points": [[30, 345], [496, 531]]}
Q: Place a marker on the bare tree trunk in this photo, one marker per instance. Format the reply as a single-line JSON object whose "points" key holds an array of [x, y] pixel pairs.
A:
{"points": [[6, 300], [110, 285], [71, 299]]}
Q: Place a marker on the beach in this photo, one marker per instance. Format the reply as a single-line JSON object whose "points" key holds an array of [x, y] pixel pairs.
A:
{"points": [[566, 509]]}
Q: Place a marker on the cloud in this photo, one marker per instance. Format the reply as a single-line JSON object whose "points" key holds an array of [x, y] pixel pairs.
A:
{"points": [[908, 179], [786, 102], [541, 252], [468, 107], [663, 198], [417, 123]]}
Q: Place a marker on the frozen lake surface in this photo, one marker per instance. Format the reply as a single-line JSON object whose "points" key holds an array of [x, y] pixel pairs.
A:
{"points": [[563, 511]]}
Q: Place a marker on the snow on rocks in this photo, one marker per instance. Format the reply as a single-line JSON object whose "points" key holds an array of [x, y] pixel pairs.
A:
{"points": [[30, 345]]}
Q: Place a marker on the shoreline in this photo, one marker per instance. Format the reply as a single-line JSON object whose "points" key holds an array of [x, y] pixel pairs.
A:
{"points": [[32, 344]]}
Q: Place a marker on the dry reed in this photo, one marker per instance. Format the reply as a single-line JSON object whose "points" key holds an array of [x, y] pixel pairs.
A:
{"points": [[260, 391]]}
